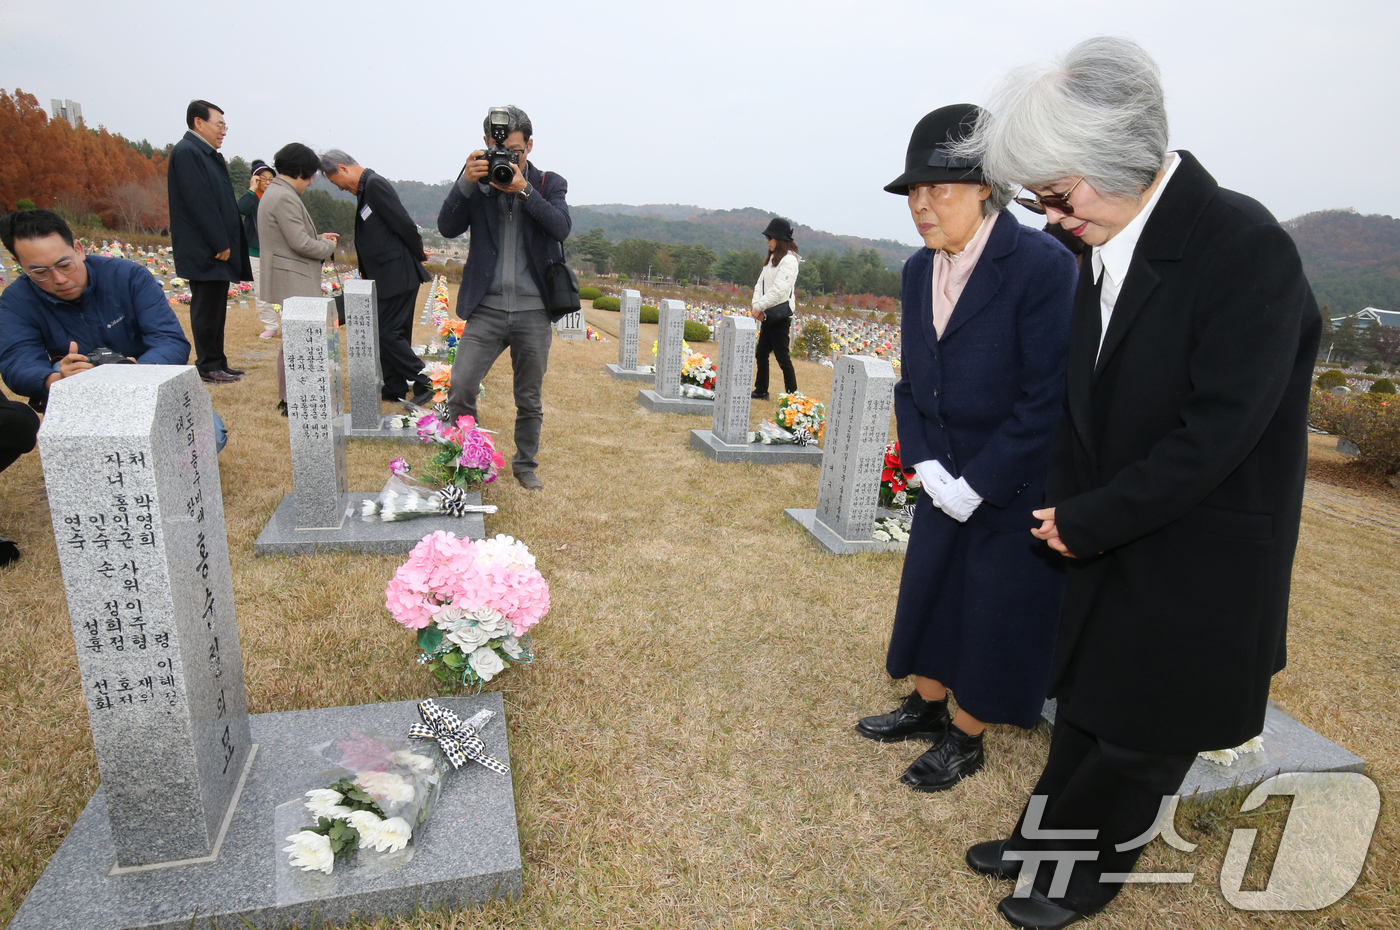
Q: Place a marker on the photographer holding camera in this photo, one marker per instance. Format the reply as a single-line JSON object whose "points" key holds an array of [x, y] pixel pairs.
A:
{"points": [[519, 220]]}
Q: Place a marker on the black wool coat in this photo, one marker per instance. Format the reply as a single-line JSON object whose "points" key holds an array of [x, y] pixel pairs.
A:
{"points": [[204, 217], [387, 242], [1177, 475]]}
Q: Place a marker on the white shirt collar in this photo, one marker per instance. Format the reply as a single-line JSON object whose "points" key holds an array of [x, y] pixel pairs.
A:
{"points": [[1116, 254]]}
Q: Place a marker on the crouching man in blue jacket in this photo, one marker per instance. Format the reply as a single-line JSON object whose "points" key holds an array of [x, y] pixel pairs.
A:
{"points": [[69, 305]]}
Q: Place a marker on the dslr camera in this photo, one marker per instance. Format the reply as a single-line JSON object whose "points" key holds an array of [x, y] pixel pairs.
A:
{"points": [[500, 161], [106, 356]]}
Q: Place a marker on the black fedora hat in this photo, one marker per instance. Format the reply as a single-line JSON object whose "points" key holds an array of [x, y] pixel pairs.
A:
{"points": [[779, 228], [927, 160]]}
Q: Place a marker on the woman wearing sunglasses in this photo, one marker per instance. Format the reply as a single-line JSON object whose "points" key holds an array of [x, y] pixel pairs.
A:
{"points": [[986, 309], [1176, 478]]}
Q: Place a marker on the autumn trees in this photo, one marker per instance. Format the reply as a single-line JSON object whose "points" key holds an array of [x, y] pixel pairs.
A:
{"points": [[83, 173]]}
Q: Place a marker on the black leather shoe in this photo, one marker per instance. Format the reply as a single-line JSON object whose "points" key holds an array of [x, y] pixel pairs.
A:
{"points": [[986, 859], [236, 372], [914, 719], [390, 397], [947, 763], [1036, 912], [423, 398], [9, 552], [218, 377], [757, 396], [282, 407]]}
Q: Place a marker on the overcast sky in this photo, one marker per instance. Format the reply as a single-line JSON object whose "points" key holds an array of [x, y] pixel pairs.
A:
{"points": [[801, 108]]}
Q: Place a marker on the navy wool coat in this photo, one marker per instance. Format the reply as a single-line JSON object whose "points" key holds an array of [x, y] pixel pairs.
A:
{"points": [[979, 601], [204, 217]]}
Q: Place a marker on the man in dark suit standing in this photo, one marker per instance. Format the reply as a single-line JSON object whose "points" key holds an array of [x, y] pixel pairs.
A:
{"points": [[206, 231], [1176, 479], [390, 252]]}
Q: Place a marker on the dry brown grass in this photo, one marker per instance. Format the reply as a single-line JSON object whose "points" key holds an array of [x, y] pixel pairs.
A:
{"points": [[682, 747]]}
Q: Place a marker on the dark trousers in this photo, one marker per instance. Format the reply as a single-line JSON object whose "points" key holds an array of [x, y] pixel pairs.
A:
{"points": [[396, 359], [208, 310], [487, 334], [773, 336], [18, 428], [1092, 784]]}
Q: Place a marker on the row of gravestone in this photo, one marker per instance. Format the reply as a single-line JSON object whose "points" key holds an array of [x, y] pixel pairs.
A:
{"points": [[185, 822], [862, 398]]}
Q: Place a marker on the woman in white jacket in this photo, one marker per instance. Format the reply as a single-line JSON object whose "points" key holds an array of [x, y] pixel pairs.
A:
{"points": [[774, 299]]}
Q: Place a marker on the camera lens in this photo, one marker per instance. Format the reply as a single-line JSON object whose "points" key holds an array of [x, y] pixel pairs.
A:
{"points": [[502, 173]]}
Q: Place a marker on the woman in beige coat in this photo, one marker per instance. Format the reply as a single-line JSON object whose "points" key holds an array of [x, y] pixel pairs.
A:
{"points": [[291, 252]]}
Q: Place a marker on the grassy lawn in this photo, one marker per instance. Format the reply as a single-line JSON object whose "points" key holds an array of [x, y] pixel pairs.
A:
{"points": [[682, 747]]}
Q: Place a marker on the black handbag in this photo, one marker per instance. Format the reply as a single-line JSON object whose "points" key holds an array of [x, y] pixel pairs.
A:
{"points": [[560, 283]]}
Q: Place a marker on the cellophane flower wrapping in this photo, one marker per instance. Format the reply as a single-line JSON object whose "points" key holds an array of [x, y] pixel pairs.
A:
{"points": [[402, 498], [473, 604], [465, 454], [798, 411], [371, 808], [897, 489]]}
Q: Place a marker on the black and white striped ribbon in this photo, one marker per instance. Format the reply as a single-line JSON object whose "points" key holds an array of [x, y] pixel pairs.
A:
{"points": [[458, 739], [453, 500], [802, 436]]}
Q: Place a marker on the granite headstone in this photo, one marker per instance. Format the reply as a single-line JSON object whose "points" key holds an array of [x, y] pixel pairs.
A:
{"points": [[133, 487], [362, 365], [571, 326], [629, 326], [858, 423], [670, 347], [311, 347]]}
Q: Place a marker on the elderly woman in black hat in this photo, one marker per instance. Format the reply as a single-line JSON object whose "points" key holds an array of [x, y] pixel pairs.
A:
{"points": [[986, 310], [774, 299]]}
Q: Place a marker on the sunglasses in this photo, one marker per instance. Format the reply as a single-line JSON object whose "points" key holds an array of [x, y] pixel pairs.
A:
{"points": [[1058, 202]]}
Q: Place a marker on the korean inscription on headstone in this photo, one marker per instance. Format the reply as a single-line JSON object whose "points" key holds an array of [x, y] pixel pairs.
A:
{"points": [[629, 327], [670, 347], [362, 353], [737, 336], [858, 418], [134, 490], [311, 345]]}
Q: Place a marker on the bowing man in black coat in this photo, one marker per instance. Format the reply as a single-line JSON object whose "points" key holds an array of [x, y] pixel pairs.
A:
{"points": [[1176, 478], [390, 252], [985, 336]]}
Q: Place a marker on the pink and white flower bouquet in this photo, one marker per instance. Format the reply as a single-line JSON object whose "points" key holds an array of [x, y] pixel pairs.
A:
{"points": [[472, 603]]}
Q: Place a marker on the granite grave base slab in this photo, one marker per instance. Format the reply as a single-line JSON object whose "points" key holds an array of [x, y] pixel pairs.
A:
{"points": [[658, 404], [630, 374], [826, 537], [383, 433], [756, 452], [281, 536], [468, 853], [1288, 747]]}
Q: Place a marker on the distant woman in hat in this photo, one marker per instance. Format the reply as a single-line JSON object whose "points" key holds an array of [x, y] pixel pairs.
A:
{"points": [[986, 311], [774, 299]]}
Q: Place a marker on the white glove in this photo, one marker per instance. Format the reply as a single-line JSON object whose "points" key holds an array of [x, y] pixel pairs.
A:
{"points": [[953, 496]]}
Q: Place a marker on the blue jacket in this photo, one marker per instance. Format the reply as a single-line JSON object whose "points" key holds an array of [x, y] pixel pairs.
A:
{"points": [[548, 226], [122, 308]]}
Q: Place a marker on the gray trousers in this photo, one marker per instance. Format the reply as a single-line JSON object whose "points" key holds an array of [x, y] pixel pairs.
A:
{"points": [[488, 332]]}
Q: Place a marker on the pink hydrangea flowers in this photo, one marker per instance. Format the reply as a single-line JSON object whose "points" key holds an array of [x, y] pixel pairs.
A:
{"points": [[444, 571]]}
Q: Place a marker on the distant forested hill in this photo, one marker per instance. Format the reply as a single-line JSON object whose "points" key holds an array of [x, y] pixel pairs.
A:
{"points": [[720, 230], [1352, 261]]}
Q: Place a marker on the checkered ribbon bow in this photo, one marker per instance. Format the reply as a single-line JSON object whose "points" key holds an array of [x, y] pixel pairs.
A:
{"points": [[457, 738], [453, 500], [802, 436]]}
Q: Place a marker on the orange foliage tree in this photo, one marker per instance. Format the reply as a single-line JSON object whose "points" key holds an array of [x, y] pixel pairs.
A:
{"points": [[81, 170]]}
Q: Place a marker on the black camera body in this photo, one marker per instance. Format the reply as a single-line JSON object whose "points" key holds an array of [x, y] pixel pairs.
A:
{"points": [[500, 164], [105, 356]]}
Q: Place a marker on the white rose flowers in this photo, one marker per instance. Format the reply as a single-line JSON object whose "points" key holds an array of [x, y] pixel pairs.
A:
{"points": [[486, 663]]}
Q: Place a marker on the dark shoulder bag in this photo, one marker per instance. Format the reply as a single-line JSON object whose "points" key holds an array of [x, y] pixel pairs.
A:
{"points": [[560, 283]]}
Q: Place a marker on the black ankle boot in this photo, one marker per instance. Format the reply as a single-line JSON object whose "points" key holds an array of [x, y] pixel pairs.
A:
{"points": [[947, 763], [914, 719]]}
